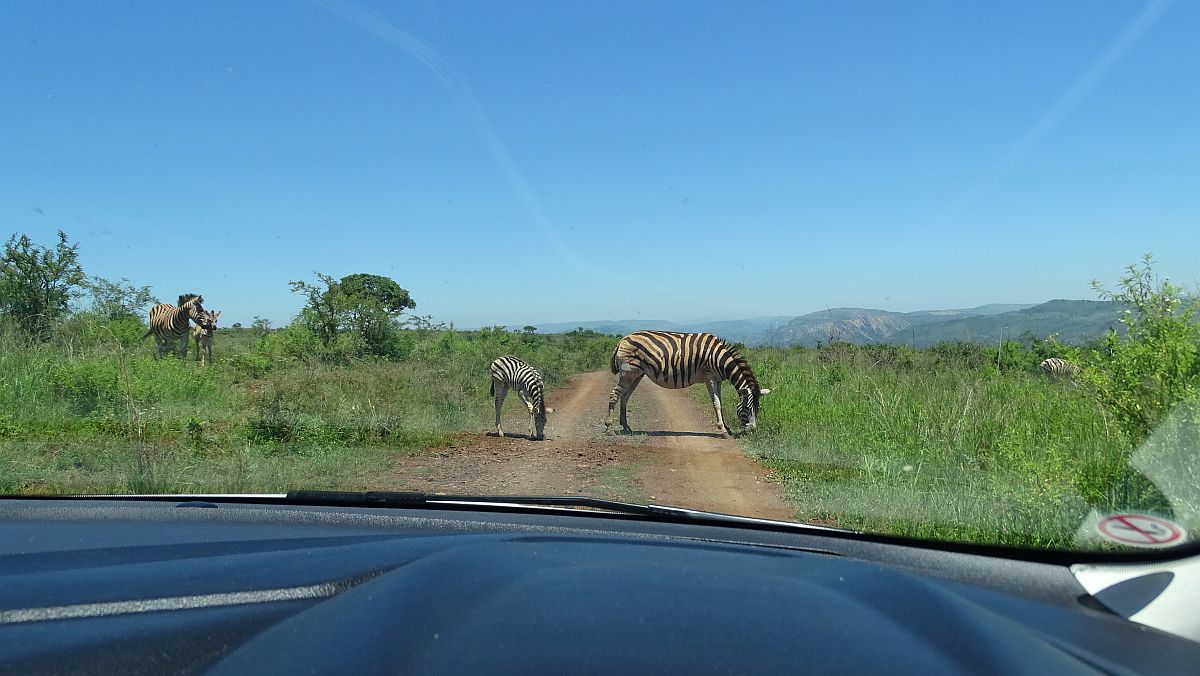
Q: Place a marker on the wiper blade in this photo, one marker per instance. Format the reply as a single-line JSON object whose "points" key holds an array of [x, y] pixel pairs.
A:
{"points": [[656, 512], [416, 498]]}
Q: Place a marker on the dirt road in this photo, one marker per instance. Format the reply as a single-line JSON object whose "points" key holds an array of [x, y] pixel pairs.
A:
{"points": [[673, 457]]}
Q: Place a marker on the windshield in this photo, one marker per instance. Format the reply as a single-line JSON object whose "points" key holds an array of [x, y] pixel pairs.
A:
{"points": [[926, 270]]}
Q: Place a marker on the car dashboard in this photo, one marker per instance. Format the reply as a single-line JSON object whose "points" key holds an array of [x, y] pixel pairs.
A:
{"points": [[198, 586]]}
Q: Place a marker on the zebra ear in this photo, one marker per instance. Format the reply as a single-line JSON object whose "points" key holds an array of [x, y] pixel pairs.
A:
{"points": [[764, 391]]}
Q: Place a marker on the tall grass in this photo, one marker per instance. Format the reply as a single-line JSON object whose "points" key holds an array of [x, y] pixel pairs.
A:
{"points": [[927, 445]]}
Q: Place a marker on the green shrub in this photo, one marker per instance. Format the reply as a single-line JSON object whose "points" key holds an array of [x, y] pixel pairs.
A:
{"points": [[1141, 376]]}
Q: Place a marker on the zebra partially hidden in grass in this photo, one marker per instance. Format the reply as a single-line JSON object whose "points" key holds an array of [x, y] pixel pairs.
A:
{"points": [[676, 360], [508, 372], [202, 334], [1056, 367], [170, 323]]}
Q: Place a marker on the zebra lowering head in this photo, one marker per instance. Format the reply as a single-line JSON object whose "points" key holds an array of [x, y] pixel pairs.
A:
{"points": [[508, 372], [675, 360]]}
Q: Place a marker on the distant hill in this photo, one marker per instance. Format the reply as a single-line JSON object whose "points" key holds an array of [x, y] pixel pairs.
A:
{"points": [[748, 331], [1074, 321], [859, 325]]}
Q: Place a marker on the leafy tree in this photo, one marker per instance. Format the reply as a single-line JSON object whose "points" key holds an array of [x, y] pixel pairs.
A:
{"points": [[1142, 375], [362, 305], [118, 300], [38, 283], [260, 325], [236, 325], [373, 303], [325, 307], [529, 329]]}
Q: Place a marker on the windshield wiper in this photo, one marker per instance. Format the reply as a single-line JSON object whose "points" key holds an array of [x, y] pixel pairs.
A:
{"points": [[580, 503]]}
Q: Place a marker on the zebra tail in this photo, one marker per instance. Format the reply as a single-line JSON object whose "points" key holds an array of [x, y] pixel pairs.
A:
{"points": [[493, 388], [613, 362]]}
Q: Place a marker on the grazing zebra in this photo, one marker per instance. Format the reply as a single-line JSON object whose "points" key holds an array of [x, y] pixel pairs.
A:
{"points": [[1058, 368], [203, 332], [676, 360], [169, 323], [508, 372]]}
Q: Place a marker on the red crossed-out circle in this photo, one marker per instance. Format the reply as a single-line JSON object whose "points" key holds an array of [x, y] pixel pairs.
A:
{"points": [[1140, 530]]}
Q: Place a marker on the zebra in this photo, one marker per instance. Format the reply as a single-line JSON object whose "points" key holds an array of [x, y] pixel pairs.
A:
{"points": [[1058, 368], [203, 332], [676, 360], [508, 372], [169, 323]]}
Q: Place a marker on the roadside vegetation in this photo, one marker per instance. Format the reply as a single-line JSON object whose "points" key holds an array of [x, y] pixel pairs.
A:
{"points": [[331, 400], [969, 442]]}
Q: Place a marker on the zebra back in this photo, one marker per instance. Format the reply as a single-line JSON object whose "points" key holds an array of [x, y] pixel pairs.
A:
{"points": [[1058, 367], [515, 373]]}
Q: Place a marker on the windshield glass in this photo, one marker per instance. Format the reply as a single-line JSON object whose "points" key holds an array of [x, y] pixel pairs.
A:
{"points": [[926, 270]]}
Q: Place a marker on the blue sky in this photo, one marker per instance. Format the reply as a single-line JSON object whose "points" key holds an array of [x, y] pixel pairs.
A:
{"points": [[547, 161]]}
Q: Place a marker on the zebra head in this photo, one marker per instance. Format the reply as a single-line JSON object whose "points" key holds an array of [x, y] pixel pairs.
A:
{"points": [[539, 418], [192, 305], [208, 321], [748, 406]]}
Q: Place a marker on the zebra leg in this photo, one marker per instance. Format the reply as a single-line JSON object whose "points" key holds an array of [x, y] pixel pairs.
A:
{"points": [[625, 386], [714, 390], [528, 407], [625, 402], [501, 391], [616, 396]]}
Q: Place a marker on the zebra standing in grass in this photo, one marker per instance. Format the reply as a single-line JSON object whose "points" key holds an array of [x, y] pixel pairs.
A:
{"points": [[1058, 368], [169, 323], [508, 372], [676, 360], [203, 332]]}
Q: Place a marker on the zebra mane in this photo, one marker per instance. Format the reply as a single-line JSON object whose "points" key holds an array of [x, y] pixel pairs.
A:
{"points": [[740, 364], [186, 298]]}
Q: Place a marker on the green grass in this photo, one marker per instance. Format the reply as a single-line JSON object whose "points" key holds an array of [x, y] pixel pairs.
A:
{"points": [[106, 416], [926, 447]]}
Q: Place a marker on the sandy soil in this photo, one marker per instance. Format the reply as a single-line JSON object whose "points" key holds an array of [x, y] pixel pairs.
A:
{"points": [[673, 457]]}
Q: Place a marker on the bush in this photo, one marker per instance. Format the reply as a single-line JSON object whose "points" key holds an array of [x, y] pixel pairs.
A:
{"points": [[1139, 377]]}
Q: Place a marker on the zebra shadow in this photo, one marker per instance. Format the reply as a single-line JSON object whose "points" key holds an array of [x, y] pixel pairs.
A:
{"points": [[671, 433], [513, 435]]}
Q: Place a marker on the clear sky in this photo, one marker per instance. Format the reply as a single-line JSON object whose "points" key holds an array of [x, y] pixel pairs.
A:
{"points": [[523, 162]]}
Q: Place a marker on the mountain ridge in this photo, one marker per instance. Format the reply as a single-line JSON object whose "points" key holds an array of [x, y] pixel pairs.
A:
{"points": [[1072, 320]]}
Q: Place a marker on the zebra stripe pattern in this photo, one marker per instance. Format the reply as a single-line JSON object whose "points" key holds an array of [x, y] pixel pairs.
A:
{"points": [[202, 333], [508, 372], [676, 360], [1058, 368], [169, 323]]}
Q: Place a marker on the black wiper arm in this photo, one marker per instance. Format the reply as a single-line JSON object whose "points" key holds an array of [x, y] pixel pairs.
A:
{"points": [[418, 499]]}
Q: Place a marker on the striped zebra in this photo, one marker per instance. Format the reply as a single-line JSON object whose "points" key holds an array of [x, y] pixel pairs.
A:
{"points": [[1058, 368], [202, 333], [508, 372], [676, 360], [169, 323]]}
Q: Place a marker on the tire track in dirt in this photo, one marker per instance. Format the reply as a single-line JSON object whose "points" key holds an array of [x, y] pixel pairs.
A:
{"points": [[673, 457]]}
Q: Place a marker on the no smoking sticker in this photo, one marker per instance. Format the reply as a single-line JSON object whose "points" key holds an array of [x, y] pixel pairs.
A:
{"points": [[1139, 530]]}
